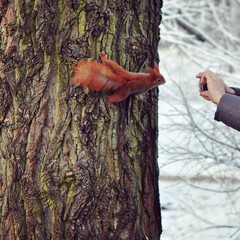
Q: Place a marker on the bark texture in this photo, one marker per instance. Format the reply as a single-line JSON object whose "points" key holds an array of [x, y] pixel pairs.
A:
{"points": [[70, 168]]}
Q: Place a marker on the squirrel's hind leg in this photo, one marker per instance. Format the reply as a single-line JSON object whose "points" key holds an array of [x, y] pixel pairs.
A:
{"points": [[117, 97], [114, 66]]}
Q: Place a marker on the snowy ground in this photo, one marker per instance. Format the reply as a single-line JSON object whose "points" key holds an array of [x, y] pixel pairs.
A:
{"points": [[196, 214], [199, 158]]}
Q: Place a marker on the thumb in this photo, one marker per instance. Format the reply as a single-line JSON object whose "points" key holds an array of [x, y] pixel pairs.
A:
{"points": [[205, 95]]}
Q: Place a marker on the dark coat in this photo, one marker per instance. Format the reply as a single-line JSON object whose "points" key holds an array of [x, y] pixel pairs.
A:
{"points": [[228, 110]]}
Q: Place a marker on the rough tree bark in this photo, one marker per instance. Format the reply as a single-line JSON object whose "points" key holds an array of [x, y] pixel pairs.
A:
{"points": [[70, 168]]}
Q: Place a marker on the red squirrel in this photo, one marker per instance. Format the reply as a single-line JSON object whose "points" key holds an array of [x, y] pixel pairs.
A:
{"points": [[110, 76]]}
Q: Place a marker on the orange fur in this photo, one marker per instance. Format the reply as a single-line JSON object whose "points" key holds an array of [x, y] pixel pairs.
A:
{"points": [[110, 76]]}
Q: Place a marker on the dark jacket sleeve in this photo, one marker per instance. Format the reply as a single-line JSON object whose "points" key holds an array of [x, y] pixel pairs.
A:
{"points": [[228, 110], [237, 91]]}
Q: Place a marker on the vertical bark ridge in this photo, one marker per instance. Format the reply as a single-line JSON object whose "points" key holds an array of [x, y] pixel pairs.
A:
{"points": [[70, 168]]}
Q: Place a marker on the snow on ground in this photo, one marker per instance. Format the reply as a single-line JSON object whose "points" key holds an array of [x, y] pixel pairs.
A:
{"points": [[195, 214]]}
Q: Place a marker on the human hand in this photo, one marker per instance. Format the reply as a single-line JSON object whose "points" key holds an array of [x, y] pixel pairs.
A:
{"points": [[216, 87]]}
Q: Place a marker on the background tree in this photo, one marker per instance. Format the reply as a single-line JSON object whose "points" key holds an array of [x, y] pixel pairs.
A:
{"points": [[70, 167]]}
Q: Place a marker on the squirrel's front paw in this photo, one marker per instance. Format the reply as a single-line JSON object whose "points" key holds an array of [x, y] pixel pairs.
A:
{"points": [[103, 56]]}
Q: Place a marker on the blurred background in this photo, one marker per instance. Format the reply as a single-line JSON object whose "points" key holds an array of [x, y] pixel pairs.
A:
{"points": [[199, 158]]}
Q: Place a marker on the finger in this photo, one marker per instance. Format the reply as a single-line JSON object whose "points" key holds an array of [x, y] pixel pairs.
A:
{"points": [[199, 75], [205, 95], [206, 98]]}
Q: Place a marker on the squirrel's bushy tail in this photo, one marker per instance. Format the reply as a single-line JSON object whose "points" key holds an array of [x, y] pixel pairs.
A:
{"points": [[94, 75]]}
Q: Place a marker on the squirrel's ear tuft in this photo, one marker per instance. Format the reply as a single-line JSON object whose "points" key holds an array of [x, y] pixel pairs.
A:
{"points": [[156, 66], [150, 70]]}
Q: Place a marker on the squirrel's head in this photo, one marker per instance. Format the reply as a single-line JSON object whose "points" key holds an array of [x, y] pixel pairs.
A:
{"points": [[156, 76]]}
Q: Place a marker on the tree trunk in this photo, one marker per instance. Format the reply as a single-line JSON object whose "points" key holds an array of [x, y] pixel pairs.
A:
{"points": [[70, 167]]}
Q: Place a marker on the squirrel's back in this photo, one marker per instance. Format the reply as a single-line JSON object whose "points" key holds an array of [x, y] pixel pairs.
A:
{"points": [[94, 75]]}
